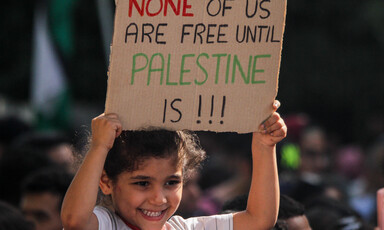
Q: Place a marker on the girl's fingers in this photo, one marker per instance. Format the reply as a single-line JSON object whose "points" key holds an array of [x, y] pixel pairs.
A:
{"points": [[111, 120], [115, 122], [118, 129], [282, 132], [111, 115], [275, 126], [270, 121]]}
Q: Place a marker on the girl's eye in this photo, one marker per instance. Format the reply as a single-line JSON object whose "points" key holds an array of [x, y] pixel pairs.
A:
{"points": [[173, 182], [142, 183]]}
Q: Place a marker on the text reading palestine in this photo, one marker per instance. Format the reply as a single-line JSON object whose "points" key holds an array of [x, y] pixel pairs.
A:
{"points": [[160, 65]]}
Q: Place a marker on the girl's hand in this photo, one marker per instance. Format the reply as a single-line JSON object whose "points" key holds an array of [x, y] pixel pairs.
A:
{"points": [[105, 128], [272, 130]]}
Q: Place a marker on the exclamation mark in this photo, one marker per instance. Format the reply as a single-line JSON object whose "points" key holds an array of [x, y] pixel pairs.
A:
{"points": [[212, 104], [199, 111], [222, 110]]}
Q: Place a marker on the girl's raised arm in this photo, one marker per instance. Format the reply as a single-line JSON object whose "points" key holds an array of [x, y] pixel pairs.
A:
{"points": [[263, 200], [80, 199]]}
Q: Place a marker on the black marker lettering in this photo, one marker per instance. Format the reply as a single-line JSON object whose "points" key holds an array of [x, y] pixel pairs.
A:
{"points": [[176, 109], [210, 8]]}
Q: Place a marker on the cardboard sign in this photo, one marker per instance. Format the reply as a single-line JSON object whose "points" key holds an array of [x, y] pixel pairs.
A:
{"points": [[195, 64]]}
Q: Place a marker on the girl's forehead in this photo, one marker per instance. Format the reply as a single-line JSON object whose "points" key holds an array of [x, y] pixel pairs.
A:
{"points": [[154, 164], [146, 160]]}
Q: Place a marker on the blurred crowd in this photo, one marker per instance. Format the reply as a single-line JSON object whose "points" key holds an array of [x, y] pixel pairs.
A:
{"points": [[332, 185]]}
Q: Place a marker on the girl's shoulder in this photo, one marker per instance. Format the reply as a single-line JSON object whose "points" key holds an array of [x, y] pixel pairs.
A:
{"points": [[222, 222], [108, 219]]}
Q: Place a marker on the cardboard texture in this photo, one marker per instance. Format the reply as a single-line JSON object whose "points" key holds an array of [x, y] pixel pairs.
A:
{"points": [[195, 64]]}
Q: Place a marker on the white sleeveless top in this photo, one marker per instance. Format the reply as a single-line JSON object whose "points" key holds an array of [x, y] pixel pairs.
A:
{"points": [[110, 221]]}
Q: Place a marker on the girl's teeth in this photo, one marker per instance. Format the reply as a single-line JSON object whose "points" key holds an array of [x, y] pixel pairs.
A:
{"points": [[152, 214]]}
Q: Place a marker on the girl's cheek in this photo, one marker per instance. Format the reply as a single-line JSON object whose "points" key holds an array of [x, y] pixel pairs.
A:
{"points": [[117, 188]]}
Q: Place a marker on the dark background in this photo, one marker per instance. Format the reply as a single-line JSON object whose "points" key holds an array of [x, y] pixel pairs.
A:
{"points": [[331, 67]]}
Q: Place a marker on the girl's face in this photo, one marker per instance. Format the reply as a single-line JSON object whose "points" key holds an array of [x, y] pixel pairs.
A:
{"points": [[149, 196]]}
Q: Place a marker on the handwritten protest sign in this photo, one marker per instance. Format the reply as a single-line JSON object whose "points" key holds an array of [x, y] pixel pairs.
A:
{"points": [[195, 64]]}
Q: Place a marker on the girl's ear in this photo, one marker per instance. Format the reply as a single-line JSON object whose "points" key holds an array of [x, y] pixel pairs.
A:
{"points": [[105, 184]]}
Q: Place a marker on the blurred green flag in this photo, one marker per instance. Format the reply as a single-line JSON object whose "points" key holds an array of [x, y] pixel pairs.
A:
{"points": [[52, 44]]}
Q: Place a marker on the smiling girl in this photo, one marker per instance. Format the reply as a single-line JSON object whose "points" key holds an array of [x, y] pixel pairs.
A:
{"points": [[143, 173]]}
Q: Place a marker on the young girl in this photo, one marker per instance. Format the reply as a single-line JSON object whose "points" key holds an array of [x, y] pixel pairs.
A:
{"points": [[143, 173]]}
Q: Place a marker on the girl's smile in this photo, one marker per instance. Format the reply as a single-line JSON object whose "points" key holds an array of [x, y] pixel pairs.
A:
{"points": [[153, 215]]}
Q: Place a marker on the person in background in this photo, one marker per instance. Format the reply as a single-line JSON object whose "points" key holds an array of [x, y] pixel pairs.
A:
{"points": [[238, 203], [12, 219], [291, 213], [236, 159], [11, 127], [314, 165], [328, 213], [42, 195], [364, 196], [57, 146], [15, 165]]}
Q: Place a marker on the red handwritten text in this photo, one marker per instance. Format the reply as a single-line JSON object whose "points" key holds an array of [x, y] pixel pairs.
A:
{"points": [[161, 6]]}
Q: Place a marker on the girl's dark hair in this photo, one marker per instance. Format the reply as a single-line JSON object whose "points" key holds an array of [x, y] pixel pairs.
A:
{"points": [[131, 148]]}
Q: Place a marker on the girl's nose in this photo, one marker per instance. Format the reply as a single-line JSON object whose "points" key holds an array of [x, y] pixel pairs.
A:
{"points": [[158, 197]]}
